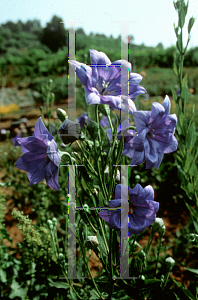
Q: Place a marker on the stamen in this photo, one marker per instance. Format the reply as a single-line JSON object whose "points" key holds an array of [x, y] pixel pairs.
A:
{"points": [[130, 210]]}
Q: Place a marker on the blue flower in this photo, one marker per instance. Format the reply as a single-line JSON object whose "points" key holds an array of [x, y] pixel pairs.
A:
{"points": [[102, 81], [142, 210], [41, 157], [82, 120], [155, 135]]}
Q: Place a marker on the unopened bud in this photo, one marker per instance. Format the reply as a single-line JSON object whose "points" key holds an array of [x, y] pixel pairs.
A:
{"points": [[50, 224], [158, 225], [137, 177], [91, 242], [86, 207], [142, 277], [169, 262], [54, 221], [106, 172], [69, 131], [61, 257], [61, 114]]}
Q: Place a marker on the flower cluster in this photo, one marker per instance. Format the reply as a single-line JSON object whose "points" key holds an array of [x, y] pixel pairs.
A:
{"points": [[153, 137]]}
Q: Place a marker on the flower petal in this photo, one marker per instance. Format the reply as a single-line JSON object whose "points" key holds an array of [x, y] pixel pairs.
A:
{"points": [[83, 71], [41, 132], [166, 104], [92, 97], [99, 58], [51, 176]]}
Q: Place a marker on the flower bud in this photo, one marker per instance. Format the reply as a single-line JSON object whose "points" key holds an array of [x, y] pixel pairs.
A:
{"points": [[91, 242], [142, 254], [169, 262], [158, 225], [54, 221], [61, 257], [86, 207], [50, 224], [61, 114], [106, 172], [137, 177], [69, 131]]}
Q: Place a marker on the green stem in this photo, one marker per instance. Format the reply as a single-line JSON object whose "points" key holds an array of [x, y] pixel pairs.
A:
{"points": [[99, 295], [54, 242], [167, 276], [110, 264], [90, 165], [149, 244], [158, 253], [102, 230], [110, 123]]}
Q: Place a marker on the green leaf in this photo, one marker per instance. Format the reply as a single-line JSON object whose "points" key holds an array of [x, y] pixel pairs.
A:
{"points": [[101, 243], [59, 284], [94, 294], [73, 295], [93, 128], [120, 149], [176, 65], [176, 28], [192, 210], [182, 148], [186, 292], [104, 109], [184, 94], [2, 275], [187, 162], [182, 122], [152, 281], [190, 24], [182, 15], [190, 188], [192, 270], [18, 291], [179, 43], [102, 279], [177, 298], [191, 137]]}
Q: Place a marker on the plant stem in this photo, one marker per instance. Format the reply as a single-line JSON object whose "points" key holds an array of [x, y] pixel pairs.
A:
{"points": [[110, 264]]}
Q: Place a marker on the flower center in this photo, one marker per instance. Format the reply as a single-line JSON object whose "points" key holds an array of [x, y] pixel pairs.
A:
{"points": [[130, 209], [103, 92], [151, 134]]}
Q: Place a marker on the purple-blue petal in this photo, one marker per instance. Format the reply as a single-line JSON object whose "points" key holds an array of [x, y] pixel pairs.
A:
{"points": [[53, 154], [99, 58], [83, 71], [41, 132]]}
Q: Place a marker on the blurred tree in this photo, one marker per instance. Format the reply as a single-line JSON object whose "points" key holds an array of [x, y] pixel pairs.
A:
{"points": [[101, 35], [80, 30], [14, 27], [131, 39], [54, 34], [160, 46]]}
